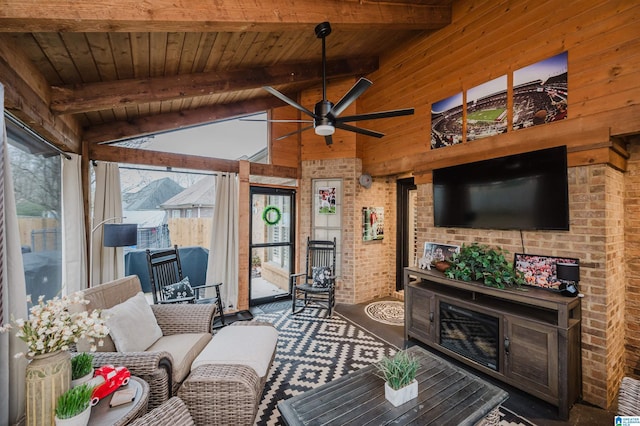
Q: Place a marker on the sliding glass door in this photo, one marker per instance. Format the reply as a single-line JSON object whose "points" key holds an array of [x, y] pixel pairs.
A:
{"points": [[272, 243]]}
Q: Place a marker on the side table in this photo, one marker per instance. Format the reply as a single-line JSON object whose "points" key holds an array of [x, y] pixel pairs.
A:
{"points": [[103, 415]]}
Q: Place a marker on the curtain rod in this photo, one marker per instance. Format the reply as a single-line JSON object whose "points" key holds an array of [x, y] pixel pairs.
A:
{"points": [[168, 169], [22, 126]]}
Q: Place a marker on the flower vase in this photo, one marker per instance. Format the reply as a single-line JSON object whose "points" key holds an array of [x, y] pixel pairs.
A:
{"points": [[47, 377], [81, 419], [402, 395]]}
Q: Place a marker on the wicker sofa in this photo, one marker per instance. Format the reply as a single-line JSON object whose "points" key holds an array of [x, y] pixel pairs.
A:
{"points": [[186, 329]]}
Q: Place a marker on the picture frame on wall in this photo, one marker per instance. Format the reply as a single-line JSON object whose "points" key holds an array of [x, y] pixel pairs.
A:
{"points": [[446, 122], [540, 92], [372, 223], [327, 200], [540, 271]]}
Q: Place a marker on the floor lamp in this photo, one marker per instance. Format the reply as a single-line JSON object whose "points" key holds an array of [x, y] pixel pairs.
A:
{"points": [[115, 235]]}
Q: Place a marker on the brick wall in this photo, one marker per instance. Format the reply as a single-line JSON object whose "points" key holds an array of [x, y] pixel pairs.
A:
{"points": [[368, 267], [600, 234], [597, 239]]}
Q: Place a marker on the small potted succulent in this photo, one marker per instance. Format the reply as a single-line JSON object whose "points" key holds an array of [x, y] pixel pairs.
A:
{"points": [[81, 369], [399, 373], [74, 406]]}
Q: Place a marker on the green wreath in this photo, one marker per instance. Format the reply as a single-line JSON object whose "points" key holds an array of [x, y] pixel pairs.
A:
{"points": [[267, 215]]}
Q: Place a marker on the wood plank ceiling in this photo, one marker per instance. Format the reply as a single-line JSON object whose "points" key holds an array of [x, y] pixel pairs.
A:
{"points": [[126, 68]]}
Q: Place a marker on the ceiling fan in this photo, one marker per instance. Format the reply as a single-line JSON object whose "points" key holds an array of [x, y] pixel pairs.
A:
{"points": [[326, 115]]}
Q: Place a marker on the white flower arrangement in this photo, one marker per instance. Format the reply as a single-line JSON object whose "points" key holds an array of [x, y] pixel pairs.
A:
{"points": [[58, 323]]}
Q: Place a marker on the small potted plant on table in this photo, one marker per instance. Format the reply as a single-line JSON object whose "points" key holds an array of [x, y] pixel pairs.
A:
{"points": [[74, 406], [399, 374], [81, 369]]}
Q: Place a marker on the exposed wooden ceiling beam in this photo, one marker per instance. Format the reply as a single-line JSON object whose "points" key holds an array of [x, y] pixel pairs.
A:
{"points": [[120, 130], [220, 15], [119, 154], [115, 94], [27, 96]]}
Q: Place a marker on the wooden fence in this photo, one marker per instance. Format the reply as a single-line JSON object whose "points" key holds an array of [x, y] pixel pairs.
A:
{"points": [[187, 232], [33, 233]]}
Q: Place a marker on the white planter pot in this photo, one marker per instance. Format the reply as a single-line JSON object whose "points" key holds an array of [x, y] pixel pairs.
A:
{"points": [[81, 380], [81, 419], [402, 395]]}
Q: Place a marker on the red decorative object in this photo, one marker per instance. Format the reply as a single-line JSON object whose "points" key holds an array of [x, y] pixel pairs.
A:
{"points": [[106, 380]]}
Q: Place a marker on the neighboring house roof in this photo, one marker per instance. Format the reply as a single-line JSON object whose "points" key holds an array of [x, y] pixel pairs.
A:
{"points": [[200, 194], [151, 196]]}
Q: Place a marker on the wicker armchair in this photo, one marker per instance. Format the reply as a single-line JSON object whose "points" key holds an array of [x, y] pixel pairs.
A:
{"points": [[629, 397], [173, 412], [154, 367]]}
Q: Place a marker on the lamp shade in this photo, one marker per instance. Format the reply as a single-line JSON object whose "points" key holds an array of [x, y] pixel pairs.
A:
{"points": [[120, 234], [568, 271]]}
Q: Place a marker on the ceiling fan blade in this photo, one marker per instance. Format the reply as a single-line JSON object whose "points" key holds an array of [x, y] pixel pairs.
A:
{"points": [[286, 135], [376, 115], [359, 130], [275, 121], [291, 102], [328, 139], [358, 89]]}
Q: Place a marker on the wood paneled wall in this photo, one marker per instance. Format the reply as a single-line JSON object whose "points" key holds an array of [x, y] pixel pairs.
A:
{"points": [[490, 39]]}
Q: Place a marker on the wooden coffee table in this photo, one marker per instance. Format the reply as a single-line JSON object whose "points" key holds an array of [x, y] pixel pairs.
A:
{"points": [[446, 395]]}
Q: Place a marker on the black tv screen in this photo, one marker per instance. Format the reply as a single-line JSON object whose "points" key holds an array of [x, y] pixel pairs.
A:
{"points": [[524, 191]]}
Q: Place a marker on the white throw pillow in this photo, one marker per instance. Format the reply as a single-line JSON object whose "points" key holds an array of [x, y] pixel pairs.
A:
{"points": [[132, 325]]}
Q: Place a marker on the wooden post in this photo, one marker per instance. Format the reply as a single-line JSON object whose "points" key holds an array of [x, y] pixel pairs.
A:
{"points": [[243, 235]]}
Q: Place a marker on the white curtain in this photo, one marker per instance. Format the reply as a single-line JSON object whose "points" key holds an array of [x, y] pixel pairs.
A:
{"points": [[223, 251], [107, 263], [13, 293], [74, 253]]}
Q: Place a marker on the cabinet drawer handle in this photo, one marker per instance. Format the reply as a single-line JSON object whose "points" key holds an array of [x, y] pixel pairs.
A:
{"points": [[506, 345]]}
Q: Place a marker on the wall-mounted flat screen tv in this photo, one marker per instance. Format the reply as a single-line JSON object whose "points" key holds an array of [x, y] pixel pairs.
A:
{"points": [[526, 191]]}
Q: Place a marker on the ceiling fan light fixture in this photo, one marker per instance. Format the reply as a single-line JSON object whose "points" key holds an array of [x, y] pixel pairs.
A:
{"points": [[324, 130]]}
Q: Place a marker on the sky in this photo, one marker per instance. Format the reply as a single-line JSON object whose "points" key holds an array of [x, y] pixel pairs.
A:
{"points": [[230, 139], [541, 70]]}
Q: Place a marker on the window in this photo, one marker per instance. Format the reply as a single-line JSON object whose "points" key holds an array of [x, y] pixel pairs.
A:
{"points": [[327, 213], [156, 199], [36, 173]]}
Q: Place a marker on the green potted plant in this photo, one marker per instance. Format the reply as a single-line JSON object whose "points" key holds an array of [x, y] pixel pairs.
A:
{"points": [[81, 369], [399, 373], [74, 406], [477, 262]]}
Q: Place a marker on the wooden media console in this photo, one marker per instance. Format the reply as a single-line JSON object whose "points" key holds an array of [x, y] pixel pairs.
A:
{"points": [[528, 338]]}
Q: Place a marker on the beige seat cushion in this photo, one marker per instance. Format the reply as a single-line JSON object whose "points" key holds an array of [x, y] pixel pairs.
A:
{"points": [[252, 346], [184, 348]]}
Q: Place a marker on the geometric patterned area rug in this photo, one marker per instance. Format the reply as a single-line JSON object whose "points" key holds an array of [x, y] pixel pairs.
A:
{"points": [[314, 350], [387, 312]]}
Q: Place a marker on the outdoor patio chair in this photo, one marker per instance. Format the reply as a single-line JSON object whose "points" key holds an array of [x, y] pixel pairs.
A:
{"points": [[316, 285], [168, 285]]}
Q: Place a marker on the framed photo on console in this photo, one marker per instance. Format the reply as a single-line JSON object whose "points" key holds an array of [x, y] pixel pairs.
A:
{"points": [[540, 271], [439, 251]]}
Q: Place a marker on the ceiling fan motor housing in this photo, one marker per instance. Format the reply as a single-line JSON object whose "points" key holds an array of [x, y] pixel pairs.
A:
{"points": [[322, 123]]}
